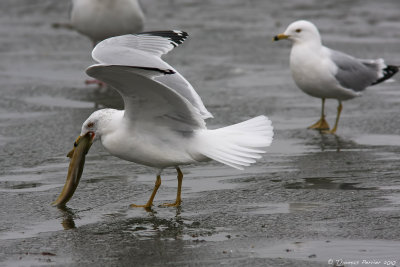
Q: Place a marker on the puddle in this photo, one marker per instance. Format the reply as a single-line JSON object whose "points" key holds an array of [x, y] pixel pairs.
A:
{"points": [[4, 140], [210, 237], [32, 176], [146, 231], [378, 140], [28, 187], [325, 183], [393, 205], [282, 123], [199, 179], [34, 260], [348, 252], [194, 182], [32, 179], [276, 208], [390, 187], [164, 225], [58, 102], [387, 156], [288, 146], [25, 185], [65, 222], [394, 199]]}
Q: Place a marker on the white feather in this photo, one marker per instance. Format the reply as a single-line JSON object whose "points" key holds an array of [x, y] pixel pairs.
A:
{"points": [[237, 145], [145, 50]]}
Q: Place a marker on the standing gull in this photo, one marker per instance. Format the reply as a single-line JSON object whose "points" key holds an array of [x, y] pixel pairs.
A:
{"points": [[325, 73], [163, 121], [102, 19]]}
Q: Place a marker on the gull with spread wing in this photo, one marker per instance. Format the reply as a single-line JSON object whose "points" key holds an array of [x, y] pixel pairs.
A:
{"points": [[162, 124]]}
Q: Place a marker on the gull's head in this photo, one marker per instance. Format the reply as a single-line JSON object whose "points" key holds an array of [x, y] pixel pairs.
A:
{"points": [[300, 31], [91, 125], [98, 123]]}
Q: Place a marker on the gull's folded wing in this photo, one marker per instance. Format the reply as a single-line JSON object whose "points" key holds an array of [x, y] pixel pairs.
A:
{"points": [[146, 99], [145, 50], [353, 73]]}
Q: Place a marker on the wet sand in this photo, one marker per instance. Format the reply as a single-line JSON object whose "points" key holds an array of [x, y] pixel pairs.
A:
{"points": [[312, 200]]}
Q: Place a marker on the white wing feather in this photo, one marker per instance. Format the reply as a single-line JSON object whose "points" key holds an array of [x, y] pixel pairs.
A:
{"points": [[144, 50], [148, 100]]}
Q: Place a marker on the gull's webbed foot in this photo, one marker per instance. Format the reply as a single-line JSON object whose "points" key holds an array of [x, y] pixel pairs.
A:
{"points": [[149, 203], [322, 124], [177, 203], [146, 207]]}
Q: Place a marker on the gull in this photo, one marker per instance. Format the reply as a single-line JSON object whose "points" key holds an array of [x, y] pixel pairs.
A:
{"points": [[162, 124], [325, 73], [102, 19]]}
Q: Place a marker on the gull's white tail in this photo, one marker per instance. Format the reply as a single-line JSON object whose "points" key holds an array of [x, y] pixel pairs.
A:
{"points": [[238, 145]]}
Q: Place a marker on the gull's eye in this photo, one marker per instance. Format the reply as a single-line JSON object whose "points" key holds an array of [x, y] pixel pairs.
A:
{"points": [[298, 30], [90, 124]]}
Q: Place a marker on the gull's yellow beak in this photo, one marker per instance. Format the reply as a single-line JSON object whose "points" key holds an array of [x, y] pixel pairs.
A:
{"points": [[280, 37], [77, 155]]}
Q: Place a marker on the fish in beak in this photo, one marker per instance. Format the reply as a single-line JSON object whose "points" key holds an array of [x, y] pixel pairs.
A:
{"points": [[280, 37], [75, 169]]}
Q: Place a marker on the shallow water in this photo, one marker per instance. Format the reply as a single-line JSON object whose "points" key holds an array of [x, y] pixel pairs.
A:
{"points": [[347, 252], [310, 199]]}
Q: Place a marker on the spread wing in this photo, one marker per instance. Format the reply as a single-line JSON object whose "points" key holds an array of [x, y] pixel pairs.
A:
{"points": [[148, 100], [145, 50]]}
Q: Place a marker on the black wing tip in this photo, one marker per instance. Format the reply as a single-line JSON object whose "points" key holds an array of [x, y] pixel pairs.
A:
{"points": [[176, 37], [90, 69], [388, 72], [163, 71]]}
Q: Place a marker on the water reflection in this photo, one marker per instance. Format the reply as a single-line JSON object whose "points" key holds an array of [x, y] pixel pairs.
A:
{"points": [[329, 142], [325, 183], [156, 225], [68, 216]]}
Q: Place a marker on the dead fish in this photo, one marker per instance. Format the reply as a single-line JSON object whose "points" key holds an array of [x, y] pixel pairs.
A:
{"points": [[75, 169]]}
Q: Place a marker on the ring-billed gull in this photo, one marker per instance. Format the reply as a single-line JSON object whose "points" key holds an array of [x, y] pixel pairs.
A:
{"points": [[325, 73], [102, 19], [163, 121]]}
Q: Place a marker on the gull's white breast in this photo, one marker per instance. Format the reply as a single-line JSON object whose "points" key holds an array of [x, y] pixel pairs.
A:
{"points": [[150, 145]]}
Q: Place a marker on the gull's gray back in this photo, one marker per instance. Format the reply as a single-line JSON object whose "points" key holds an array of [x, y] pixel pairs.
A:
{"points": [[353, 73]]}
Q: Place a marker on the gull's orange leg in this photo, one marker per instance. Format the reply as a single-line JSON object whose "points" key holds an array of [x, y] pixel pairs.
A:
{"points": [[178, 200], [321, 124], [100, 84], [339, 110], [150, 201]]}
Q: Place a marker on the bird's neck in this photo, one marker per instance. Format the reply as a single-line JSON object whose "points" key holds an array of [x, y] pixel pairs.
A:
{"points": [[109, 121], [302, 48]]}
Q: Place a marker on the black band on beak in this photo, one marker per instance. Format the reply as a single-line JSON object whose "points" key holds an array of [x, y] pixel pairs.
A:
{"points": [[276, 38]]}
